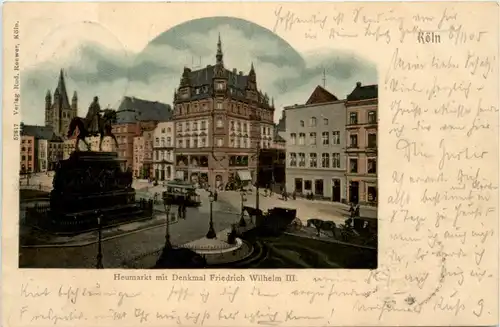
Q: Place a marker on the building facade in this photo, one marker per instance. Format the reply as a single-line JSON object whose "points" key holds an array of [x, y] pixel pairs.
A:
{"points": [[133, 116], [37, 144], [42, 155], [361, 144], [315, 147], [143, 154], [125, 134], [163, 151], [27, 164], [58, 110], [221, 119]]}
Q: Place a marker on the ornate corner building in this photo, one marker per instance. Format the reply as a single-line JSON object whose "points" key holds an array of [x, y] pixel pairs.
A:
{"points": [[221, 120]]}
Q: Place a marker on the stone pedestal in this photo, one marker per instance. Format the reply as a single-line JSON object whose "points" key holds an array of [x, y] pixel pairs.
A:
{"points": [[90, 181]]}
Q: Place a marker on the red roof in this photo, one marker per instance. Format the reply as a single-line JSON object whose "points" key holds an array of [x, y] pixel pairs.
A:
{"points": [[320, 95]]}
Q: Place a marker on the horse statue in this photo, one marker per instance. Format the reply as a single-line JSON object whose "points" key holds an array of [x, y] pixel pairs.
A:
{"points": [[104, 127]]}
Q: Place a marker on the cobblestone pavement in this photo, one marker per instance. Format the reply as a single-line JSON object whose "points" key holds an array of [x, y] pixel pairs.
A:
{"points": [[129, 246]]}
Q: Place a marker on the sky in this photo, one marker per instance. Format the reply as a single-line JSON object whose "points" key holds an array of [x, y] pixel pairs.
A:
{"points": [[95, 63]]}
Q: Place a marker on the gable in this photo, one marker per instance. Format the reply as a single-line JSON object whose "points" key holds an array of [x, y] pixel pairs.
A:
{"points": [[320, 95]]}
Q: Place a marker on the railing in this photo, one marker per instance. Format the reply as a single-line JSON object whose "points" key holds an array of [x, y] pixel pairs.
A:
{"points": [[38, 186]]}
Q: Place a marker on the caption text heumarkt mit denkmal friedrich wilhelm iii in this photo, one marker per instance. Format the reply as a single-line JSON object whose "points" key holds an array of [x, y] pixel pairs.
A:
{"points": [[202, 277]]}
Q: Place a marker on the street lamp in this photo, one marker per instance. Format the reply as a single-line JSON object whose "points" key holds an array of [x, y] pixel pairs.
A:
{"points": [[167, 206], [211, 231], [99, 264], [242, 218]]}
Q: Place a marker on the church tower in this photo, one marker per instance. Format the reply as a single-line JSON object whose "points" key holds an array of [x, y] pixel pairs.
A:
{"points": [[59, 112], [48, 108]]}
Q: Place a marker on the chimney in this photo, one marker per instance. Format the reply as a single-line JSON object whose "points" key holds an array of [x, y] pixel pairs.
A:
{"points": [[241, 73], [358, 84]]}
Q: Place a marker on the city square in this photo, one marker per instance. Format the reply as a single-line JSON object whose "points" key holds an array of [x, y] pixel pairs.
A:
{"points": [[217, 179], [128, 245]]}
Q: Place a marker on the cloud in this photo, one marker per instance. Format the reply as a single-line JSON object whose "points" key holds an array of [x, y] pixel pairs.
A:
{"points": [[94, 68]]}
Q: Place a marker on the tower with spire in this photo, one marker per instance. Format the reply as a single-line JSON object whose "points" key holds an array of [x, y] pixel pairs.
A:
{"points": [[58, 110], [220, 114]]}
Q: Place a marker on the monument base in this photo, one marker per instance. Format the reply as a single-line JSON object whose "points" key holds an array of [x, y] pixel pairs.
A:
{"points": [[89, 184]]}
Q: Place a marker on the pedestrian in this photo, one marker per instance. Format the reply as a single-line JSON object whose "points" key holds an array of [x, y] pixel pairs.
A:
{"points": [[294, 195], [179, 211], [357, 211], [352, 210], [184, 209], [215, 195]]}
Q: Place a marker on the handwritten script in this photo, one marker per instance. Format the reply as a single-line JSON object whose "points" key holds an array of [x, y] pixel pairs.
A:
{"points": [[438, 199]]}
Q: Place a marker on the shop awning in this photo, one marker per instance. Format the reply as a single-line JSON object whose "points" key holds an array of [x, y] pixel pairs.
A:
{"points": [[244, 175]]}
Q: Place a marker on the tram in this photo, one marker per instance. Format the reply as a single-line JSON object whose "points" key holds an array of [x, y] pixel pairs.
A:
{"points": [[178, 192]]}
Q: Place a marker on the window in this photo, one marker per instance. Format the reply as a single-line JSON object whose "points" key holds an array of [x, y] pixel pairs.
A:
{"points": [[302, 159], [372, 140], [372, 193], [312, 138], [232, 125], [169, 130], [245, 143], [163, 130], [293, 138], [372, 117], [219, 106], [325, 138], [169, 141], [302, 124], [325, 160], [336, 137], [220, 123], [307, 185], [195, 143], [203, 142], [298, 185], [353, 141], [179, 127], [302, 138], [195, 126], [237, 142], [238, 126], [325, 121], [313, 160], [353, 165], [29, 158], [318, 187], [203, 125], [244, 127], [293, 159], [220, 142], [335, 160], [220, 86], [372, 165], [353, 118], [187, 127], [179, 143], [312, 122]]}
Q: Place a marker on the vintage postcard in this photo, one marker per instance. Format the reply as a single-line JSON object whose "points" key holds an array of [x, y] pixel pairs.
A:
{"points": [[244, 164]]}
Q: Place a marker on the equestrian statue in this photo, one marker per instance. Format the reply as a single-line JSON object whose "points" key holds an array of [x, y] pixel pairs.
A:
{"points": [[94, 124]]}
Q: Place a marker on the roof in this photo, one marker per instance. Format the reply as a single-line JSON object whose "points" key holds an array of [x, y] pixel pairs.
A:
{"points": [[277, 137], [365, 92], [40, 132], [61, 90], [142, 110], [321, 95]]}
